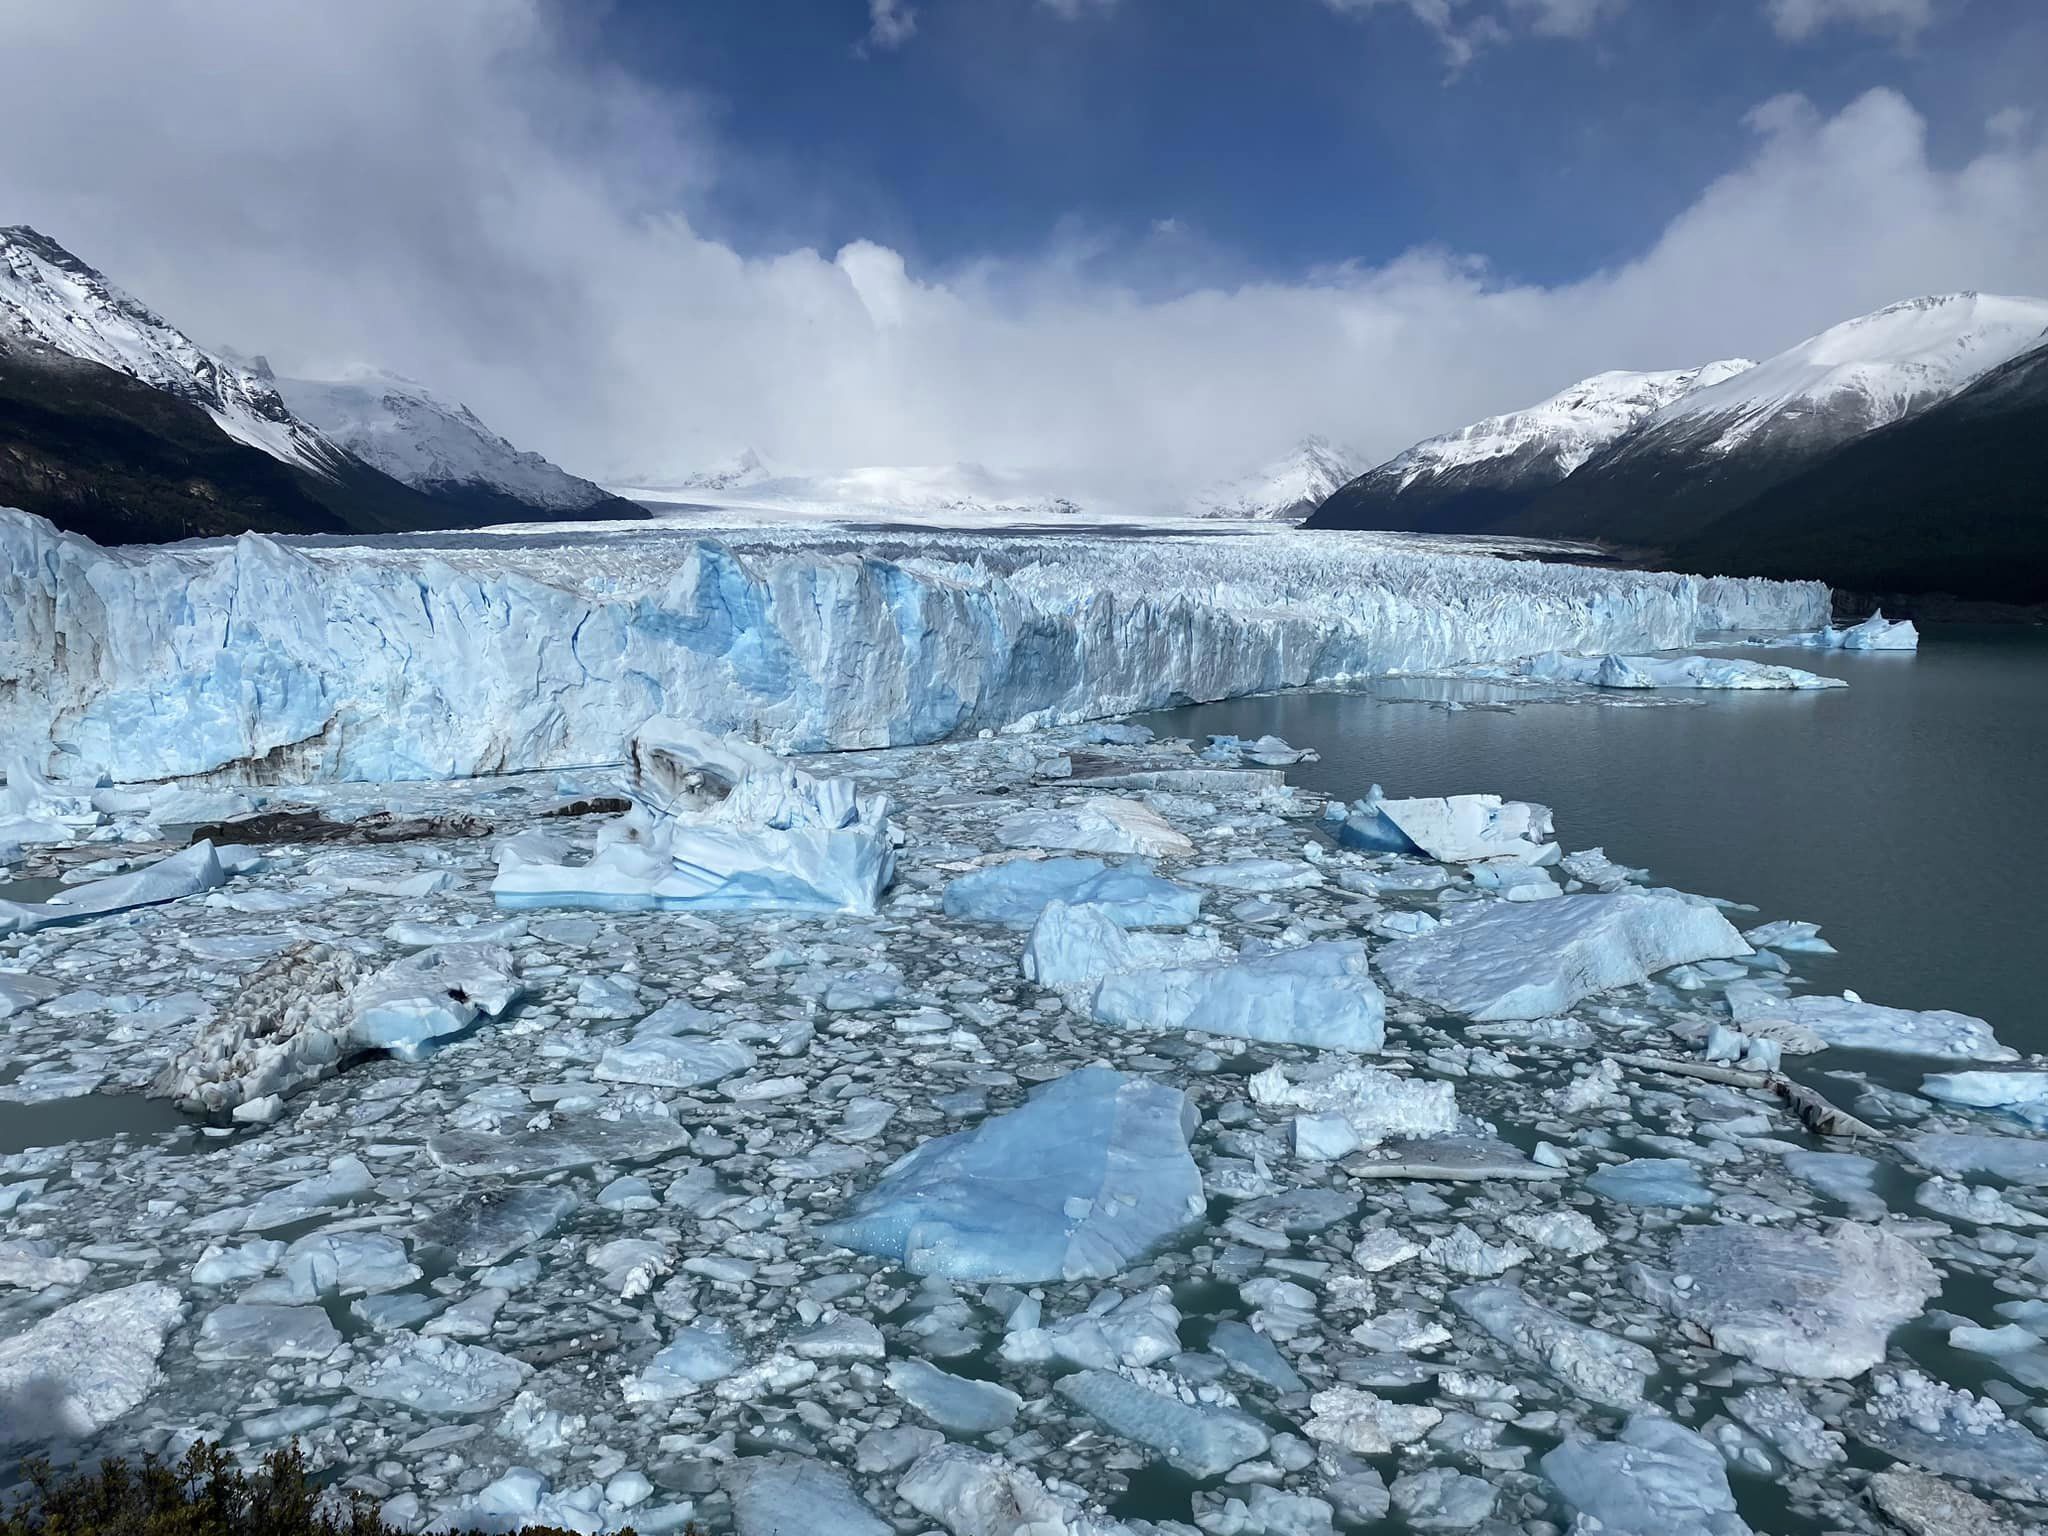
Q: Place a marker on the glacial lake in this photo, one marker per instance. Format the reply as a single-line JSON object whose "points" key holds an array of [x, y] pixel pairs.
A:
{"points": [[1899, 813]]}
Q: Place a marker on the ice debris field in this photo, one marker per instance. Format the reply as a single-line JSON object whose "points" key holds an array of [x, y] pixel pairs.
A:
{"points": [[1060, 1131]]}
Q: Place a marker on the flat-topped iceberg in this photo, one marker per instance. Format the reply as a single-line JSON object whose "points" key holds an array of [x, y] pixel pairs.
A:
{"points": [[84, 1365], [1457, 829], [1851, 1024], [1656, 1478], [1075, 947], [719, 824], [1612, 671], [1079, 1180], [1319, 994], [1014, 892], [1202, 1439], [2023, 1095], [1098, 824], [1499, 960], [1793, 1301], [183, 874]]}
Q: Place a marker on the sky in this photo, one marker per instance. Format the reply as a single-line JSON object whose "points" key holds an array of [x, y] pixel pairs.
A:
{"points": [[1126, 246]]}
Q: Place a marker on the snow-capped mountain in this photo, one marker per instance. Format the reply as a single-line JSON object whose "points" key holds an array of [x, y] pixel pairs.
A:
{"points": [[1286, 490], [737, 473], [1712, 451], [51, 299], [965, 494], [1469, 480], [432, 445]]}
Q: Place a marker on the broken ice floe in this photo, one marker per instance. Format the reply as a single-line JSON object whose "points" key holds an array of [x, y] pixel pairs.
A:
{"points": [[1876, 633], [85, 1364], [1656, 1478], [1014, 893], [1099, 824], [1849, 1023], [1320, 994], [1458, 829], [1613, 671], [172, 878]]}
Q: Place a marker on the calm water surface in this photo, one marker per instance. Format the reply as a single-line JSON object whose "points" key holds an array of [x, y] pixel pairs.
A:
{"points": [[1902, 813]]}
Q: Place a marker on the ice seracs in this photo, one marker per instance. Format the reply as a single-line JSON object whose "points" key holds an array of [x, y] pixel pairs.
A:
{"points": [[720, 824], [1076, 1182]]}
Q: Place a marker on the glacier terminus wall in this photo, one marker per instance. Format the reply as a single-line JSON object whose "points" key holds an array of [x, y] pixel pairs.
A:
{"points": [[290, 659]]}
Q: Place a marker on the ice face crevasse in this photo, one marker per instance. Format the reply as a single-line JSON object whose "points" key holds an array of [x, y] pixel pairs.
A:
{"points": [[260, 656]]}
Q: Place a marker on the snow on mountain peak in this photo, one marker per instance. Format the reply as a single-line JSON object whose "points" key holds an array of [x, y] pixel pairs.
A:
{"points": [[1866, 372], [400, 427], [1569, 427], [1286, 490], [49, 298]]}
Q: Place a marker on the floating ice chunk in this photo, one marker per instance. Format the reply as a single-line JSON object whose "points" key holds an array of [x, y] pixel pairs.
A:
{"points": [[1790, 938], [87, 1363], [1073, 1184], [1461, 1159], [1792, 1431], [1596, 1365], [1267, 752], [338, 1263], [1974, 1202], [1852, 1024], [1570, 1233], [1528, 960], [1792, 1301], [1353, 1419], [1073, 947], [693, 1359], [1917, 1419], [1657, 1478], [1100, 824], [182, 874], [2016, 1159], [1014, 892], [667, 1062], [782, 1495], [1876, 633], [2023, 1095], [490, 1226], [1255, 875], [1202, 1439], [1117, 733], [438, 1376], [570, 1141], [1465, 1252], [1442, 1499], [1255, 1355], [437, 992], [259, 1332], [721, 824], [1319, 994], [1653, 1181], [1514, 881], [1612, 671], [32, 1265], [840, 1338], [346, 1178], [1374, 1103], [1137, 1330], [1926, 1506], [1844, 1176], [1456, 829], [957, 1404], [975, 1493]]}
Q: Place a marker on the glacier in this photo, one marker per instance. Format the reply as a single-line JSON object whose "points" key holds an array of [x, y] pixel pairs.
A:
{"points": [[271, 659]]}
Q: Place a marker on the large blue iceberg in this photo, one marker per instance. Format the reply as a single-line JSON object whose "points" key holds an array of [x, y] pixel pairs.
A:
{"points": [[1086, 1175]]}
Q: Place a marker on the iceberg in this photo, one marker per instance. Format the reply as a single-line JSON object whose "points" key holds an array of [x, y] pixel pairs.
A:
{"points": [[492, 1225], [1876, 633], [1793, 1301], [452, 658], [720, 824], [2015, 1159], [1014, 892], [783, 1495], [959, 1405], [1099, 824], [1375, 1104], [2023, 1095], [1319, 995], [1916, 1419], [663, 1061], [1087, 1174], [1498, 960], [438, 1376], [1656, 1478], [1456, 829], [1851, 1024], [567, 1141], [1612, 671], [1073, 947], [183, 874], [90, 1361], [1597, 1366], [1651, 1181], [1202, 1439], [976, 1493]]}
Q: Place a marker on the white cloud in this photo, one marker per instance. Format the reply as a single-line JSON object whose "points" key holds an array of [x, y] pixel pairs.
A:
{"points": [[1567, 18], [1465, 27], [891, 23], [449, 191], [1071, 10], [1797, 20]]}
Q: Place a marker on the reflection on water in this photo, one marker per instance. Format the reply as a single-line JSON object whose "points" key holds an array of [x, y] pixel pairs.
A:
{"points": [[1897, 812], [89, 1117]]}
